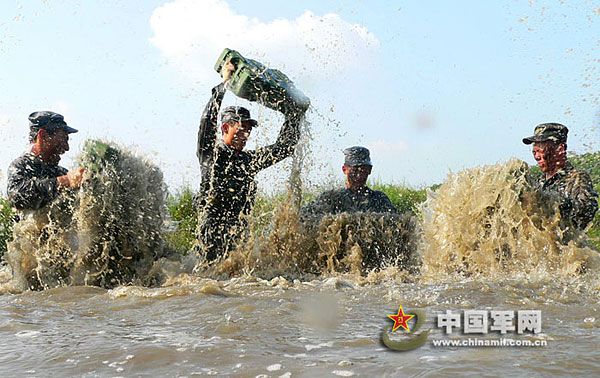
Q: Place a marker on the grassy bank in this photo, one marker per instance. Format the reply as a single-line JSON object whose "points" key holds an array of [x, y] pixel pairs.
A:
{"points": [[6, 222], [180, 233], [183, 216]]}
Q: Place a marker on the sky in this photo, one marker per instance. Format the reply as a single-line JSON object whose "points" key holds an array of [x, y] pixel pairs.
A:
{"points": [[431, 87]]}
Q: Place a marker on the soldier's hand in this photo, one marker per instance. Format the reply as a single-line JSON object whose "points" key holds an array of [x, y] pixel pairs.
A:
{"points": [[227, 71], [72, 179], [75, 177]]}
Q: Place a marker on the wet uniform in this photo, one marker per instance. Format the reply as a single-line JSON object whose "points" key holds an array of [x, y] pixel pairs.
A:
{"points": [[32, 183], [578, 200], [346, 200], [227, 188]]}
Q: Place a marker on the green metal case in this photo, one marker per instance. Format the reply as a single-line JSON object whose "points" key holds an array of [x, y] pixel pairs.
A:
{"points": [[255, 82]]}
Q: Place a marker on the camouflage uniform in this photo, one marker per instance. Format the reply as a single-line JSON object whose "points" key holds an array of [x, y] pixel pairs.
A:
{"points": [[227, 188], [573, 189], [348, 200], [578, 202], [345, 200], [32, 183]]}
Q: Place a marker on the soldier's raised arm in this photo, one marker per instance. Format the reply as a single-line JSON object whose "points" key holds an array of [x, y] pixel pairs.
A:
{"points": [[286, 141], [207, 131]]}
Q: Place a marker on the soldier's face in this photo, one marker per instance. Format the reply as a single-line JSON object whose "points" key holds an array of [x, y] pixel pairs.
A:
{"points": [[547, 155], [356, 176], [236, 134], [54, 144]]}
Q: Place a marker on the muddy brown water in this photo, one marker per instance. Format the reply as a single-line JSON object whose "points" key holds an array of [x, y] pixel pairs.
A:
{"points": [[481, 246], [327, 327]]}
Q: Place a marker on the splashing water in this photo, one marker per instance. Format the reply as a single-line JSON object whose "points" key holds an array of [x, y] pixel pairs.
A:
{"points": [[491, 221], [106, 234], [331, 283], [482, 222], [41, 253], [345, 243]]}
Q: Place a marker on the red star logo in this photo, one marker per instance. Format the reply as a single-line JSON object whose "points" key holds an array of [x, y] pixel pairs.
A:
{"points": [[400, 319]]}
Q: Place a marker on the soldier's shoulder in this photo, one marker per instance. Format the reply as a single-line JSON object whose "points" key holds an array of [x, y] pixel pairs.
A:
{"points": [[329, 196], [22, 161], [579, 175], [325, 202], [579, 182], [333, 193], [62, 170], [379, 194], [248, 155]]}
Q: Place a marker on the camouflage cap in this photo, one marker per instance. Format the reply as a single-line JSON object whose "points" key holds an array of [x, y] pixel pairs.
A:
{"points": [[357, 155], [49, 121], [237, 114], [548, 131]]}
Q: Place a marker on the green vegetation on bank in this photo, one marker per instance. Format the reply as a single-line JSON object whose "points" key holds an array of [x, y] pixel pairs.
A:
{"points": [[403, 198], [6, 222], [180, 235]]}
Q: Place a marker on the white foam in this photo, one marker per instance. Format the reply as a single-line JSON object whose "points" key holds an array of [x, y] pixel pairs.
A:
{"points": [[343, 373], [274, 367]]}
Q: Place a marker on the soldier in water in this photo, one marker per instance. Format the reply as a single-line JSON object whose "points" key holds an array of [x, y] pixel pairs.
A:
{"points": [[35, 179], [572, 188], [356, 196], [227, 188]]}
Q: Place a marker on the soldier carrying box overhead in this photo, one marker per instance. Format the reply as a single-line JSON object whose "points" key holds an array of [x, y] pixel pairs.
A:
{"points": [[228, 188]]}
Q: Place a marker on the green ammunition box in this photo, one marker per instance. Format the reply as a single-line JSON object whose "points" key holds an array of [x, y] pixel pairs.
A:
{"points": [[255, 82]]}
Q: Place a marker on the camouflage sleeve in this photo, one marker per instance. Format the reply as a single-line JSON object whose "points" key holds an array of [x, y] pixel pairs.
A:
{"points": [[289, 135], [207, 131], [27, 192], [582, 200]]}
